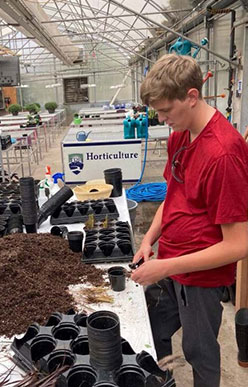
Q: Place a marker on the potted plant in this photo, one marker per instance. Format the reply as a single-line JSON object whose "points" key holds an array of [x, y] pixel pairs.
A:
{"points": [[15, 108], [32, 108], [51, 106]]}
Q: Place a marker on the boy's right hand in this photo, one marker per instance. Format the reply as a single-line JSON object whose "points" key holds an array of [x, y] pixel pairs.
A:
{"points": [[145, 251]]}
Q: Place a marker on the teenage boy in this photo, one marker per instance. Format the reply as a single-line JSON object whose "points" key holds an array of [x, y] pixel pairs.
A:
{"points": [[201, 226]]}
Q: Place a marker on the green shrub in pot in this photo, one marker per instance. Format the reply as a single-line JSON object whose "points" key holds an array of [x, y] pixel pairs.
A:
{"points": [[51, 106], [32, 108], [15, 108]]}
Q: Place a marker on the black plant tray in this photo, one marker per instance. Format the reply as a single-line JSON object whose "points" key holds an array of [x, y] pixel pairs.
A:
{"points": [[112, 244], [3, 224], [10, 206], [63, 341], [77, 211], [9, 188]]}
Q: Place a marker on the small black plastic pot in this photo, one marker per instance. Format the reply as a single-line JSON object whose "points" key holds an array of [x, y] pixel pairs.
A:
{"points": [[107, 247], [60, 231], [117, 278], [89, 249], [113, 176], [75, 239], [104, 333]]}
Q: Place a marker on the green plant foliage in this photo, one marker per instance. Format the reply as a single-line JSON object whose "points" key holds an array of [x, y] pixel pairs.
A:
{"points": [[51, 106], [15, 108], [32, 108]]}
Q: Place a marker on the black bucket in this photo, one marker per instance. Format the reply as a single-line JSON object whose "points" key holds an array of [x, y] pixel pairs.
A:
{"points": [[104, 340]]}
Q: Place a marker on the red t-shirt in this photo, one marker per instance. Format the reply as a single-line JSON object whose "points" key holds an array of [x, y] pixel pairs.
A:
{"points": [[214, 170]]}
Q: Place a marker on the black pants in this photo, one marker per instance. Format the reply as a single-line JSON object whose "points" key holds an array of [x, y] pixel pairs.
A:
{"points": [[198, 311]]}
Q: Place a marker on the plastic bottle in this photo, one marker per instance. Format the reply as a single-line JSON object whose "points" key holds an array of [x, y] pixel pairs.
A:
{"points": [[42, 196], [48, 178], [55, 188]]}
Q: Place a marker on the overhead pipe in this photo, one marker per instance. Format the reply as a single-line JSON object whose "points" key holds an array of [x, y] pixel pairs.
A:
{"points": [[196, 21]]}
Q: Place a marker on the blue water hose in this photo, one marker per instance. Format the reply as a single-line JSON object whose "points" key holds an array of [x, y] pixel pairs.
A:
{"points": [[148, 192]]}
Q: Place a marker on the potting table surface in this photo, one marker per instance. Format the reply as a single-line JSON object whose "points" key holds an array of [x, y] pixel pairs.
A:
{"points": [[129, 305]]}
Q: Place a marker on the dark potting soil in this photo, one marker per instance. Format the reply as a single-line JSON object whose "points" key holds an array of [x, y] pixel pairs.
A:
{"points": [[35, 272]]}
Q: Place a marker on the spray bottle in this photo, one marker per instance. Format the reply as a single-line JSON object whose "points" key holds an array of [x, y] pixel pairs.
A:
{"points": [[48, 178], [55, 188]]}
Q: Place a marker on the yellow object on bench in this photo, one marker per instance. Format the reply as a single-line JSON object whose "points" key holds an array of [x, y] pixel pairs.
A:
{"points": [[93, 191]]}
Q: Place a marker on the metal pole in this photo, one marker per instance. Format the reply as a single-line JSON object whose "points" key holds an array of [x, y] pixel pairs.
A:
{"points": [[244, 96], [162, 26]]}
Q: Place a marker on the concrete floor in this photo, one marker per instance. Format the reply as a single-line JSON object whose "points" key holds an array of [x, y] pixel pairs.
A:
{"points": [[232, 373]]}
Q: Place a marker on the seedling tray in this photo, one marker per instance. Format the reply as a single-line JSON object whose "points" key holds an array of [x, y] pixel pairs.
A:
{"points": [[10, 206], [63, 341], [78, 211], [113, 243]]}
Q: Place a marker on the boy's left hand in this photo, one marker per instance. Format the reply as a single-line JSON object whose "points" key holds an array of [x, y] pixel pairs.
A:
{"points": [[150, 272]]}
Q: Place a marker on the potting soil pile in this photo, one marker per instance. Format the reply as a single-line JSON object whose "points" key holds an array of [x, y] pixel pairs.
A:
{"points": [[35, 272]]}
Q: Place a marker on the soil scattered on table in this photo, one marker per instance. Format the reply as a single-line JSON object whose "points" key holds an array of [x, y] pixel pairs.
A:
{"points": [[35, 272]]}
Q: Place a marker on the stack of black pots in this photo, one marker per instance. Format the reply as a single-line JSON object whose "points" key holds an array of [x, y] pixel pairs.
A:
{"points": [[29, 204], [91, 350]]}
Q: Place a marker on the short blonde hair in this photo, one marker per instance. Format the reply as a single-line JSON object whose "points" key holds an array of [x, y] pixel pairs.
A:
{"points": [[170, 78]]}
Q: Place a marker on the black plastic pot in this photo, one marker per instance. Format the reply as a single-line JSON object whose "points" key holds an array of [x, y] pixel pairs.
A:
{"points": [[241, 324], [29, 206], [113, 176], [75, 239], [60, 231], [53, 203], [117, 278], [104, 340]]}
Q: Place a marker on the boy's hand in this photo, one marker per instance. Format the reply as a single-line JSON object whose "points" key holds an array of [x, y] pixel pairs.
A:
{"points": [[150, 272], [145, 251]]}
